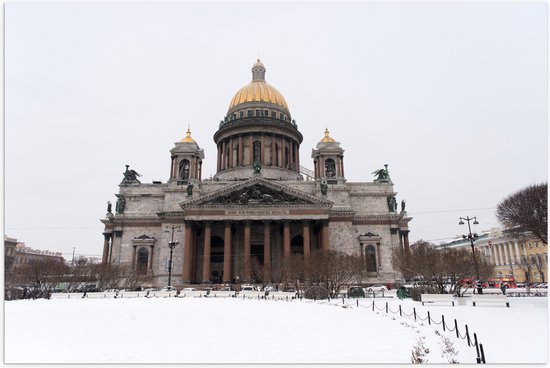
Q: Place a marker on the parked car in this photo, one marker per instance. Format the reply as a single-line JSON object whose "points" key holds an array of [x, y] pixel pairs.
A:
{"points": [[404, 291], [169, 288], [356, 292], [248, 288], [377, 289], [189, 289]]}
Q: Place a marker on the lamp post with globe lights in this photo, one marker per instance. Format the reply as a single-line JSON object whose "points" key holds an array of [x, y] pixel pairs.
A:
{"points": [[472, 237]]}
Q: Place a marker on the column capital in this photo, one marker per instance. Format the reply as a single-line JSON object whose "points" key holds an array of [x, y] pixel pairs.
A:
{"points": [[107, 235], [267, 222], [305, 222]]}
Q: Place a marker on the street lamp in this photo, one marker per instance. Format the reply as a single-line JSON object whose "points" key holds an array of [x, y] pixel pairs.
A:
{"points": [[171, 244], [472, 237]]}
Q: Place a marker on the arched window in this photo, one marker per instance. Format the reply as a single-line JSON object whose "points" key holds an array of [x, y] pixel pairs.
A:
{"points": [[143, 259], [330, 168], [236, 155], [257, 152], [184, 169], [276, 154], [371, 258]]}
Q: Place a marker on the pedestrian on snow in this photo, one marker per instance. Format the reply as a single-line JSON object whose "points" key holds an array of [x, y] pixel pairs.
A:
{"points": [[503, 288]]}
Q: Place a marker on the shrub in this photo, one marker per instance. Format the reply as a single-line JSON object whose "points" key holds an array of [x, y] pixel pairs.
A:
{"points": [[316, 292], [419, 290]]}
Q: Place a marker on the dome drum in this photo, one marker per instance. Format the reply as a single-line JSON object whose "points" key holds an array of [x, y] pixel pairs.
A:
{"points": [[255, 125]]}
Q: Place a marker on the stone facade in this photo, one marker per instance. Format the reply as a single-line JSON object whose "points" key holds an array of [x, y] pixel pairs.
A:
{"points": [[261, 203]]}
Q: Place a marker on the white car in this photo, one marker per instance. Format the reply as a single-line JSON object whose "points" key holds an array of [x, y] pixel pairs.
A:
{"points": [[168, 288], [376, 289], [189, 289]]}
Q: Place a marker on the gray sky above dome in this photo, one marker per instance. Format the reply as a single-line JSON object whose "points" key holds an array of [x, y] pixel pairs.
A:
{"points": [[453, 96]]}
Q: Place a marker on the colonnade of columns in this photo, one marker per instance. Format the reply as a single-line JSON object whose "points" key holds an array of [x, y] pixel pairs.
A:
{"points": [[504, 253], [231, 151], [190, 256]]}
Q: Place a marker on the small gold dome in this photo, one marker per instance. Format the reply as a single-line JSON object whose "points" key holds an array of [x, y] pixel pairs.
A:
{"points": [[188, 138], [327, 137], [258, 90]]}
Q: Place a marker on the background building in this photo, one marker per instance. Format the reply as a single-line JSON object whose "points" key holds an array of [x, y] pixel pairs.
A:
{"points": [[16, 253], [259, 208], [511, 257]]}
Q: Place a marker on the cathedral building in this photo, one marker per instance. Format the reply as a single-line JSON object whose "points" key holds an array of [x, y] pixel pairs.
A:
{"points": [[259, 208]]}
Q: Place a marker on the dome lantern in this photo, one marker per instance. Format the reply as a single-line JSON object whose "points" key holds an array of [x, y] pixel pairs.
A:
{"points": [[258, 72]]}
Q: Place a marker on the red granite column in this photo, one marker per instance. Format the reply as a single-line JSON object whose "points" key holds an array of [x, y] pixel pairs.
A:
{"points": [[325, 236], [219, 157], [305, 236], [187, 249], [206, 254], [227, 253], [240, 151], [246, 273], [104, 258], [250, 150], [406, 240], [286, 240], [230, 153], [267, 251]]}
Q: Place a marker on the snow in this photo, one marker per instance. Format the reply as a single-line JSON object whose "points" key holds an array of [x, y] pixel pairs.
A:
{"points": [[234, 330]]}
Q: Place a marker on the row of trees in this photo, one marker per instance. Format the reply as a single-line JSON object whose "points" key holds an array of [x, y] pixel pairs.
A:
{"points": [[440, 269], [332, 270], [40, 278]]}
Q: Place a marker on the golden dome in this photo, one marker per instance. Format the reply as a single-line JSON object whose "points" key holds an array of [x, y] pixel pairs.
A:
{"points": [[188, 138], [327, 137], [258, 90]]}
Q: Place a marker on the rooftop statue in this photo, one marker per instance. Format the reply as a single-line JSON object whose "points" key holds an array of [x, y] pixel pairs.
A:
{"points": [[130, 176], [324, 187], [120, 204], [257, 167], [382, 175]]}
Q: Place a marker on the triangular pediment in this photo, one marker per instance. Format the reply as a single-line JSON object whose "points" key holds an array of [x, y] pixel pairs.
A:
{"points": [[257, 192]]}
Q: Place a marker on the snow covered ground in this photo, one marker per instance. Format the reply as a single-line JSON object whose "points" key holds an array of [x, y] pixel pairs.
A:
{"points": [[233, 330]]}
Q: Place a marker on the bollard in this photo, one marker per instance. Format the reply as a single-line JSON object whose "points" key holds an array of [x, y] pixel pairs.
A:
{"points": [[482, 354], [357, 303], [477, 349], [386, 307], [343, 302], [373, 305], [456, 329], [400, 313], [429, 318], [443, 320], [414, 312], [467, 335]]}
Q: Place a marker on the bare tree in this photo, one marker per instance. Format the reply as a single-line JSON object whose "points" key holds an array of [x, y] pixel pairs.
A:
{"points": [[525, 213], [334, 269]]}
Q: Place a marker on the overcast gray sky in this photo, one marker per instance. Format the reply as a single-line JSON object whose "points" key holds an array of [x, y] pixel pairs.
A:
{"points": [[453, 96]]}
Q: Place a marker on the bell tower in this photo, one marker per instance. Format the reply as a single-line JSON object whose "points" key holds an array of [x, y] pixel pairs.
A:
{"points": [[328, 160], [186, 164]]}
